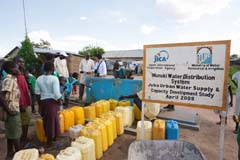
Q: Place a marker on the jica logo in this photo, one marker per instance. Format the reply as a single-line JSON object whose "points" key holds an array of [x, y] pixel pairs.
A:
{"points": [[161, 56]]}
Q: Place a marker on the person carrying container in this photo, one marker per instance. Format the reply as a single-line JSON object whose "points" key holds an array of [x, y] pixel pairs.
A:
{"points": [[49, 99]]}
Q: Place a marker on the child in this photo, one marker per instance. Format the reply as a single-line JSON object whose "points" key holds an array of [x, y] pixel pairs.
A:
{"points": [[71, 82], [31, 84], [229, 104], [74, 81], [10, 94]]}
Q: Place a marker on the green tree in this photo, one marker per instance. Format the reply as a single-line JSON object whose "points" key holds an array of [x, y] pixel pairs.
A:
{"points": [[43, 44], [27, 53], [234, 56], [92, 50]]}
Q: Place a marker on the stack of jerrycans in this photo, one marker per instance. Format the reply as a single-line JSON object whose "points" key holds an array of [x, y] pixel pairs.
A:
{"points": [[102, 128], [94, 134]]}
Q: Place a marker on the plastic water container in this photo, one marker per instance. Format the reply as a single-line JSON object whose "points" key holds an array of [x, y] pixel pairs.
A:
{"points": [[119, 121], [124, 103], [172, 130], [109, 127], [99, 109], [70, 153], [106, 105], [128, 115], [84, 132], [110, 117], [132, 116], [159, 130], [90, 112], [102, 128], [137, 112], [47, 156], [68, 116], [151, 110], [74, 132], [86, 146], [72, 118], [113, 104], [78, 115], [94, 134], [61, 119], [40, 131], [97, 137], [26, 154], [147, 130]]}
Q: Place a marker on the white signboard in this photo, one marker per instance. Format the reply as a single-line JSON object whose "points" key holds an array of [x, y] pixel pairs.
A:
{"points": [[188, 74]]}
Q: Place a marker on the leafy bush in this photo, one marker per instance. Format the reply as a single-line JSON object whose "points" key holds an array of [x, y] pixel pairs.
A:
{"points": [[27, 53], [232, 70]]}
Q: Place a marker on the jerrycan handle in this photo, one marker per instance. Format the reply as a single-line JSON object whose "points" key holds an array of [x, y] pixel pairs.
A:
{"points": [[172, 123]]}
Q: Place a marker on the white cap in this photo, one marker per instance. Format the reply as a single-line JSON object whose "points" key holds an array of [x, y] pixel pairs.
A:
{"points": [[63, 53]]}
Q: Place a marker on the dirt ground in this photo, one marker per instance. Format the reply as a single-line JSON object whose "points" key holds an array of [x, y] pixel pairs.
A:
{"points": [[207, 139]]}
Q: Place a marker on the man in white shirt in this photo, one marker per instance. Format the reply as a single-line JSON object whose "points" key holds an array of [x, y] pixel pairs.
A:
{"points": [[100, 67], [60, 64], [86, 69]]}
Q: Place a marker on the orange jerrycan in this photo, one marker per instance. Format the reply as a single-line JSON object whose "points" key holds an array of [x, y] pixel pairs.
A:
{"points": [[40, 131], [159, 129]]}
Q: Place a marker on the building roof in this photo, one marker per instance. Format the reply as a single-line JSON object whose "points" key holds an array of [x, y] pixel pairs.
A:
{"points": [[52, 51], [43, 51], [138, 53]]}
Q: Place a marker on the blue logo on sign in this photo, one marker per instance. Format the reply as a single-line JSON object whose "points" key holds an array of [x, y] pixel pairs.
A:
{"points": [[204, 55], [161, 56]]}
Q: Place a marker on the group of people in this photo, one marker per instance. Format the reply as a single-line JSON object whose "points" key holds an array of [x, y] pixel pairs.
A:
{"points": [[20, 89], [15, 103], [87, 68]]}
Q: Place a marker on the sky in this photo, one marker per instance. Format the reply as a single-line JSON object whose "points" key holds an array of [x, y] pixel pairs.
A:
{"points": [[119, 25]]}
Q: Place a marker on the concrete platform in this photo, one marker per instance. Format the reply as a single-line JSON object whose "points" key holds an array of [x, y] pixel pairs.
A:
{"points": [[186, 118]]}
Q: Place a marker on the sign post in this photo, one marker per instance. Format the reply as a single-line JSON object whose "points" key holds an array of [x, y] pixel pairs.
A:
{"points": [[189, 74], [221, 137], [142, 121]]}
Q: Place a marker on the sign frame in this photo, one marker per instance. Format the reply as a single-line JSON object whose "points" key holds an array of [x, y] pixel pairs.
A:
{"points": [[203, 43]]}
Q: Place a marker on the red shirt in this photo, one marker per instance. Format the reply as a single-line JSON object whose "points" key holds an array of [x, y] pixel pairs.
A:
{"points": [[25, 98]]}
